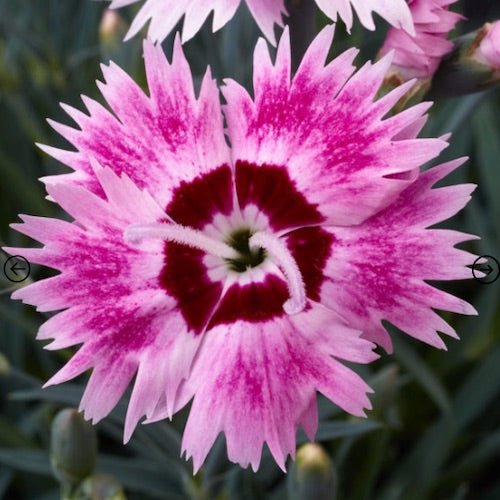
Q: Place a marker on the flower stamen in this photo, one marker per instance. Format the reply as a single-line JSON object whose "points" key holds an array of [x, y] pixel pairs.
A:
{"points": [[183, 235], [280, 253]]}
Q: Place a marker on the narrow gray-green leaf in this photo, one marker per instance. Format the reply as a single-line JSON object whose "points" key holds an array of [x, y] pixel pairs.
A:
{"points": [[37, 461], [423, 374], [335, 430]]}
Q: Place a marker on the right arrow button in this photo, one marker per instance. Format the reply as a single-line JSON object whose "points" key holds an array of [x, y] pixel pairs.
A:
{"points": [[486, 269]]}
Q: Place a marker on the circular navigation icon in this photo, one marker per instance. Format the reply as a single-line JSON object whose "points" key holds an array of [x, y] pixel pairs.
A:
{"points": [[488, 267], [16, 268]]}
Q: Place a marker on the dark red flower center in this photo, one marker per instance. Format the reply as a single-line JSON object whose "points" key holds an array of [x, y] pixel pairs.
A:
{"points": [[272, 194]]}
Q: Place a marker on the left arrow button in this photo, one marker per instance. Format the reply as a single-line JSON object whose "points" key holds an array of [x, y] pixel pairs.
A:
{"points": [[16, 268]]}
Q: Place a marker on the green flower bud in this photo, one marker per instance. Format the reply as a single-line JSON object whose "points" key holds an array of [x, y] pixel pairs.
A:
{"points": [[394, 79], [73, 447], [100, 487], [385, 387], [465, 70], [313, 475], [112, 28], [4, 365]]}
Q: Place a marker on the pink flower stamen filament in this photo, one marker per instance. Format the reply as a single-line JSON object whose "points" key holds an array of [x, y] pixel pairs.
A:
{"points": [[280, 253], [183, 235], [243, 250]]}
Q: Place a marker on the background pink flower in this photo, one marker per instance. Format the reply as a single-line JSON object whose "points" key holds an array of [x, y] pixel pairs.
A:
{"points": [[395, 12], [225, 275], [489, 48], [419, 56], [165, 14]]}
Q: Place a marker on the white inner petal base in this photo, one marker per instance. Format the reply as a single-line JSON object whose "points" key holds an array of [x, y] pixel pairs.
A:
{"points": [[272, 245]]}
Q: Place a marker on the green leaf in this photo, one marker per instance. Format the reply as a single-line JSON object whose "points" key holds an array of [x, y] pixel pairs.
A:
{"points": [[422, 467], [165, 480], [15, 315], [160, 436], [493, 493], [422, 373], [36, 461], [335, 430], [215, 466], [479, 390], [6, 474], [486, 131], [67, 394], [487, 450], [452, 114], [10, 435], [326, 408]]}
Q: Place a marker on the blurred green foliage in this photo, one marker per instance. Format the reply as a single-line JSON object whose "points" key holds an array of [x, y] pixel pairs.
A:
{"points": [[433, 432]]}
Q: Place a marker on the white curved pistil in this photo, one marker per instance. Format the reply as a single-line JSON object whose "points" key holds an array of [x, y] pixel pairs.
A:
{"points": [[279, 252], [183, 235]]}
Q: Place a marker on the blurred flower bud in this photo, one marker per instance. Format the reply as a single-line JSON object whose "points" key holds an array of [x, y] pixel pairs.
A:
{"points": [[488, 51], [419, 56], [73, 447], [112, 28], [313, 475], [385, 387], [4, 365], [101, 487], [474, 64]]}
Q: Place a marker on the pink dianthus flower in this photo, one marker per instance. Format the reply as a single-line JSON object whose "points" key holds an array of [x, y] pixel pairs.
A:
{"points": [[489, 48], [165, 14], [419, 56], [240, 277]]}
